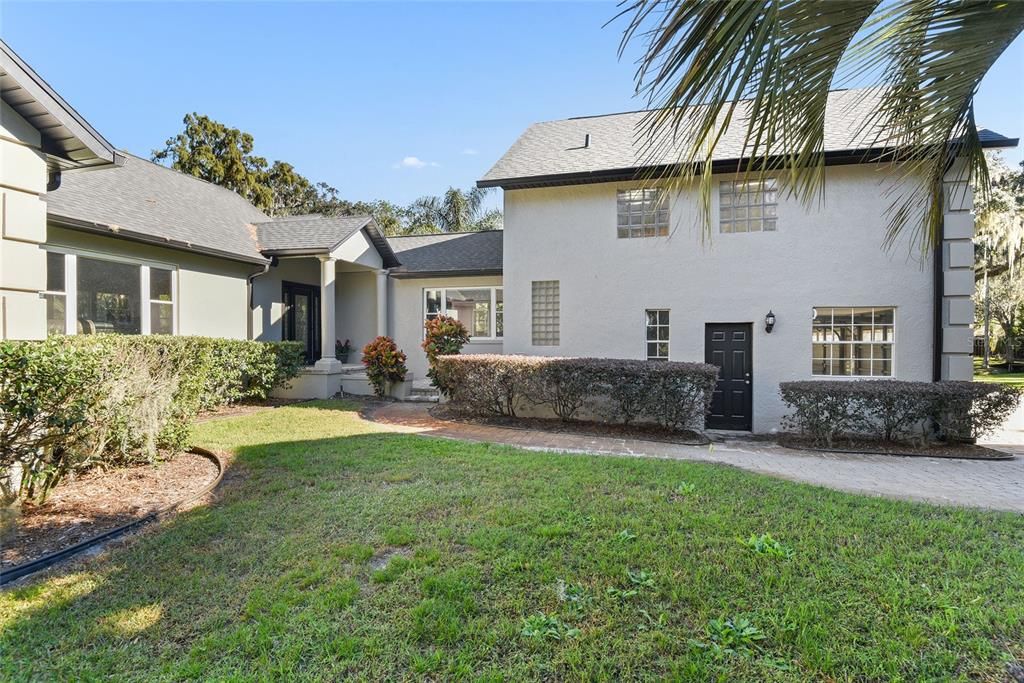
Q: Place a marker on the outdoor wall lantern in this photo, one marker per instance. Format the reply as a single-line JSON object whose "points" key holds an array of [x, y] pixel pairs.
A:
{"points": [[769, 322]]}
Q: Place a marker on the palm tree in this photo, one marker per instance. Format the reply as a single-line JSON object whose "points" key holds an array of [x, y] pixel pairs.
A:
{"points": [[767, 66], [456, 211]]}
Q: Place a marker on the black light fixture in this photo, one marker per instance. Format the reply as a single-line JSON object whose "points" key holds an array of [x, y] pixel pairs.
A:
{"points": [[769, 322]]}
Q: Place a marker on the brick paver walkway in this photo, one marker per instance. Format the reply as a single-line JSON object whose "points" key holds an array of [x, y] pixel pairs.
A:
{"points": [[987, 484]]}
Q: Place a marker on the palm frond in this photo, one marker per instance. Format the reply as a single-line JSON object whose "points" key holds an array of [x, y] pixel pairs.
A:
{"points": [[767, 66]]}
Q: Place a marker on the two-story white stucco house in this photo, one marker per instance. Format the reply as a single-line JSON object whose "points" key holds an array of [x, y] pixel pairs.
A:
{"points": [[598, 263], [592, 261]]}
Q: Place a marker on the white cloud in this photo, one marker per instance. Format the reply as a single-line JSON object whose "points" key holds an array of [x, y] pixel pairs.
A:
{"points": [[414, 162], [469, 151]]}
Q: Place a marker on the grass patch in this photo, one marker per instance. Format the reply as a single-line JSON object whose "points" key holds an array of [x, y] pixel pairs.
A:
{"points": [[512, 565], [997, 374]]}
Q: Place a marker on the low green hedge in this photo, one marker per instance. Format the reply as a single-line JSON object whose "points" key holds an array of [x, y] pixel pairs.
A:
{"points": [[891, 410], [71, 403], [673, 394]]}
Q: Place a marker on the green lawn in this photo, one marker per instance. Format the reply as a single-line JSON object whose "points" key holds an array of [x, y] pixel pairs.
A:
{"points": [[997, 375], [628, 560]]}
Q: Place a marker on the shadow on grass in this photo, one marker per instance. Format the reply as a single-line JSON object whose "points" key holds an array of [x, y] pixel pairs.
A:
{"points": [[277, 577]]}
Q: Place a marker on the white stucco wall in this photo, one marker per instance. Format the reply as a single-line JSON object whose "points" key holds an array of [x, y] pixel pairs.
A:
{"points": [[830, 255], [405, 316], [266, 294], [22, 228], [212, 299], [356, 310]]}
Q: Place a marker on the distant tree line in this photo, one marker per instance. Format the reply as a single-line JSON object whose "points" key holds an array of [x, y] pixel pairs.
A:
{"points": [[217, 153]]}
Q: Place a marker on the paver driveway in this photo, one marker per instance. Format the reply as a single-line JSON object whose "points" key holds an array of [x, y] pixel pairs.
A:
{"points": [[986, 484]]}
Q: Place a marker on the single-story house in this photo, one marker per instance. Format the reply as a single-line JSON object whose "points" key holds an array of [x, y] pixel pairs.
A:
{"points": [[592, 260]]}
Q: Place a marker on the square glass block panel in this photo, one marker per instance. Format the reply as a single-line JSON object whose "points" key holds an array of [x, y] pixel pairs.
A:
{"points": [[471, 307], [546, 308], [109, 299], [161, 318], [55, 272], [159, 284], [642, 213], [747, 205], [854, 342]]}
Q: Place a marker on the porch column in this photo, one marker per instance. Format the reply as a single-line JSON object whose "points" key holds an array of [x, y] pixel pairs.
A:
{"points": [[328, 303], [382, 303]]}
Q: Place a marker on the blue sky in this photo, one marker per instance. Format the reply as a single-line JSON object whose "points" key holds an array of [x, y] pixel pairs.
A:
{"points": [[347, 91]]}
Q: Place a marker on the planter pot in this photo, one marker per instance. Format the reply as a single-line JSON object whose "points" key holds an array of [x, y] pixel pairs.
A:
{"points": [[343, 357]]}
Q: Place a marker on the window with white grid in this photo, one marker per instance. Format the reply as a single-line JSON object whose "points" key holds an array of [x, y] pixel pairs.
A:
{"points": [[747, 205], [657, 333], [853, 342], [545, 300], [642, 213]]}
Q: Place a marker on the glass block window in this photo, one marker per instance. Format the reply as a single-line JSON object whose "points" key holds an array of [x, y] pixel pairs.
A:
{"points": [[545, 300], [853, 342], [642, 213], [747, 205], [657, 334]]}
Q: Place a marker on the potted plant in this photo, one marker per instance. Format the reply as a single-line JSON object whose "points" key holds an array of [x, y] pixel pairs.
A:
{"points": [[342, 349], [385, 366]]}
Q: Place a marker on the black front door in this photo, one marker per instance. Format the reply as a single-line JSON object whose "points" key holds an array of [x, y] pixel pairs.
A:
{"points": [[302, 317], [729, 347]]}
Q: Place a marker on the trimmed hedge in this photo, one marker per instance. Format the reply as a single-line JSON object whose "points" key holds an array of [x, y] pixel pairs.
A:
{"points": [[892, 410], [675, 395], [71, 403]]}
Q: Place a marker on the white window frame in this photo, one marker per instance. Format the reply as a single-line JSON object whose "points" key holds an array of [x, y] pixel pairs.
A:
{"points": [[494, 307], [890, 344], [71, 286], [763, 206], [667, 342]]}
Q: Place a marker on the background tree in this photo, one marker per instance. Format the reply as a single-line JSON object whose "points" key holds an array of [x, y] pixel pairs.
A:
{"points": [[1007, 300], [223, 155], [927, 56], [219, 154]]}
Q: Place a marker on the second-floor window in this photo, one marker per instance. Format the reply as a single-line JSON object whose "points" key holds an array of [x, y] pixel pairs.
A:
{"points": [[642, 213], [747, 205]]}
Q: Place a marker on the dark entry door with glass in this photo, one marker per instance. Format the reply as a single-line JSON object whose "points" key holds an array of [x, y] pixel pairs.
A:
{"points": [[302, 317], [728, 346]]}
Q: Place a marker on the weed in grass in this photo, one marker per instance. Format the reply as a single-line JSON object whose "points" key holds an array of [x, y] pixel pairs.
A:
{"points": [[547, 626], [640, 578], [735, 636], [768, 546], [619, 594], [625, 536], [685, 488], [575, 596], [653, 623]]}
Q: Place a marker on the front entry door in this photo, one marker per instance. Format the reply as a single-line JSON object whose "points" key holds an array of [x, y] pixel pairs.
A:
{"points": [[729, 347], [302, 317]]}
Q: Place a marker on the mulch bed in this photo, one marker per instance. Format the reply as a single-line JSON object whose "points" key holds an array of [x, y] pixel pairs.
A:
{"points": [[961, 451], [645, 432], [98, 501]]}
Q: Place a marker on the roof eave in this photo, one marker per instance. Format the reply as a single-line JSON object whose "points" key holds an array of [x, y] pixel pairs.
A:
{"points": [[474, 272], [872, 155], [131, 235], [104, 153]]}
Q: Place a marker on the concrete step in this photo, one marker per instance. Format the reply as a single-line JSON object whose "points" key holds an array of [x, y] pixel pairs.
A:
{"points": [[422, 398]]}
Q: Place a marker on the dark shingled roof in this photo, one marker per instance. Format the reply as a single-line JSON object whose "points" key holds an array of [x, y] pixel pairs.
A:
{"points": [[453, 253], [317, 233], [553, 152], [149, 202]]}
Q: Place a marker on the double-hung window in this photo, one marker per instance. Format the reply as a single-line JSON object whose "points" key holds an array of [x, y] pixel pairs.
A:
{"points": [[480, 309], [853, 342], [747, 205], [88, 294], [642, 213]]}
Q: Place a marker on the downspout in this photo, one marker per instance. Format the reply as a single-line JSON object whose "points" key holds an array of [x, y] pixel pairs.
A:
{"points": [[937, 314], [249, 292]]}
